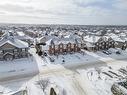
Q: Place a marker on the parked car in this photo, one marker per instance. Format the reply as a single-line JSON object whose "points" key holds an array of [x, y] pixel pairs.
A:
{"points": [[109, 52], [105, 52], [51, 59], [45, 54], [118, 52]]}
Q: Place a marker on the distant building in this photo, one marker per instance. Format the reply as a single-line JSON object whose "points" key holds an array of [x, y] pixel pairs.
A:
{"points": [[120, 41], [95, 43]]}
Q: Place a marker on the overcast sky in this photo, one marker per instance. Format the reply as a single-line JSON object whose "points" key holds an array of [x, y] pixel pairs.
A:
{"points": [[64, 11]]}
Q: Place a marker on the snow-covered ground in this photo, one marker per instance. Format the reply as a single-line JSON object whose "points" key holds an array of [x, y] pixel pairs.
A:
{"points": [[88, 81], [102, 78], [18, 68], [11, 87], [74, 76], [86, 57]]}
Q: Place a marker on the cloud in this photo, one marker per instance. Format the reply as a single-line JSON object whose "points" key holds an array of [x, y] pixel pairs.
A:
{"points": [[120, 4], [64, 11], [1, 13], [85, 2]]}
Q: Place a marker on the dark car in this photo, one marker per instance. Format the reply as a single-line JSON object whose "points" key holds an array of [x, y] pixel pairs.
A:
{"points": [[51, 59], [118, 52], [109, 52], [45, 54], [105, 52]]}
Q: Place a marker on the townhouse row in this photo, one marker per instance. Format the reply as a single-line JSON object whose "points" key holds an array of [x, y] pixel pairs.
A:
{"points": [[72, 44]]}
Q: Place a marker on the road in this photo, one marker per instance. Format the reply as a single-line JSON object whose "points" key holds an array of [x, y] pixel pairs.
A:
{"points": [[48, 70], [74, 67]]}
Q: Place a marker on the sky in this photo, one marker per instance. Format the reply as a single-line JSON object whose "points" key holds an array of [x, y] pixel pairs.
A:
{"points": [[82, 12]]}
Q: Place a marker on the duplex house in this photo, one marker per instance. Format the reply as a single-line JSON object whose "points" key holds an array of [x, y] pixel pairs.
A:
{"points": [[11, 48], [120, 41], [95, 43]]}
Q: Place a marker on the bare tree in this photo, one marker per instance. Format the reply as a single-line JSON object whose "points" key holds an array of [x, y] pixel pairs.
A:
{"points": [[43, 83]]}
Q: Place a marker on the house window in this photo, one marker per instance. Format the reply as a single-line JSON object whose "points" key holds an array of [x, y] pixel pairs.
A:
{"points": [[69, 44], [56, 47], [79, 45], [23, 49], [64, 46], [1, 51], [52, 46], [26, 49], [112, 42], [15, 50], [72, 45], [61, 45]]}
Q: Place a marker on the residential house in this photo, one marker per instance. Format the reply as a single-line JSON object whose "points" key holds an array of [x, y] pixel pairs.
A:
{"points": [[11, 48], [120, 41], [61, 45], [64, 45], [95, 43]]}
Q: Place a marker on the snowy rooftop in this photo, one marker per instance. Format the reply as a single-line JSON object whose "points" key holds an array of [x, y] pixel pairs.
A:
{"points": [[20, 33], [116, 37], [14, 42], [91, 38]]}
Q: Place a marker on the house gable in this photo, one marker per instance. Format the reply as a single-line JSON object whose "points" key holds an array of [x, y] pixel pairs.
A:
{"points": [[7, 46]]}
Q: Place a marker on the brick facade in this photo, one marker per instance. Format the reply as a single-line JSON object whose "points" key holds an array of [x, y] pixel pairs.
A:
{"points": [[63, 48]]}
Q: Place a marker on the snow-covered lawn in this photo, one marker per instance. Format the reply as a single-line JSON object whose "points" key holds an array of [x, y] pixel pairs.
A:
{"points": [[18, 67], [86, 58], [72, 59], [11, 87]]}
